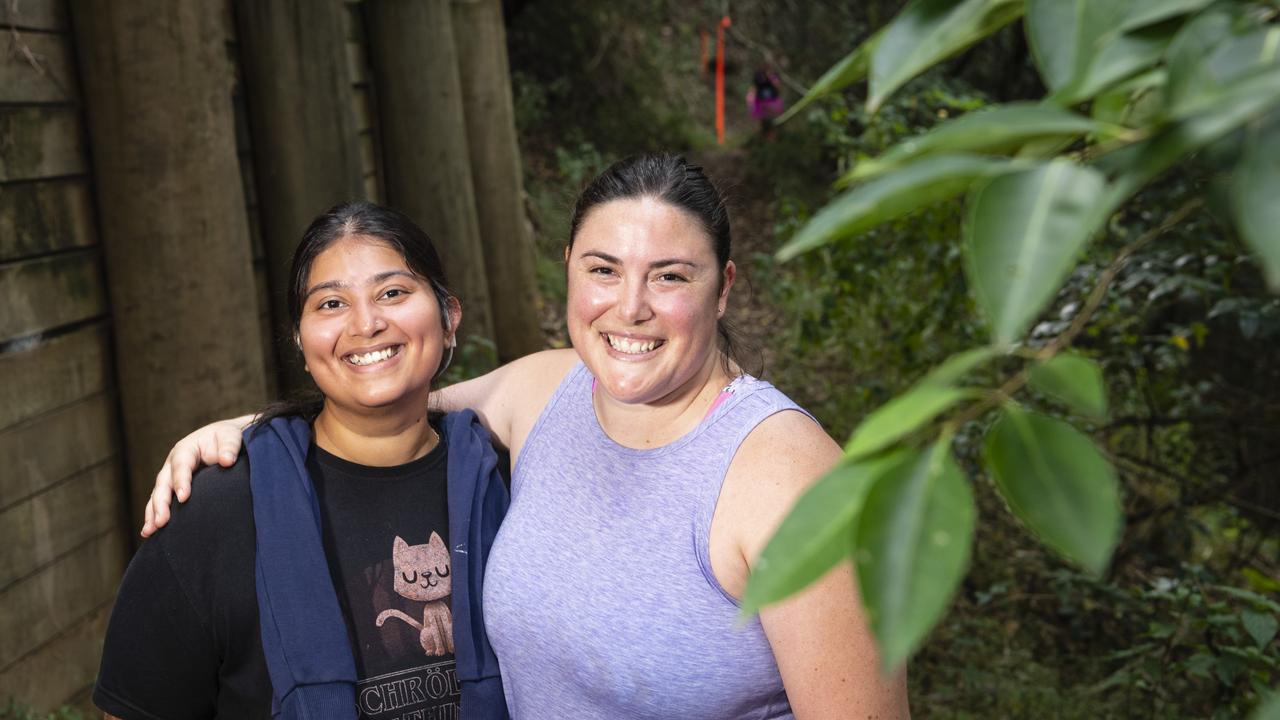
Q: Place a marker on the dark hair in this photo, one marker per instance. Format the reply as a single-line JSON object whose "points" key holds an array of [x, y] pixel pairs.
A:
{"points": [[672, 179], [384, 225]]}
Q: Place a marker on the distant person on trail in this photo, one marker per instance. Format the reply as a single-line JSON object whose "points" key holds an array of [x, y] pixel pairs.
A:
{"points": [[764, 99]]}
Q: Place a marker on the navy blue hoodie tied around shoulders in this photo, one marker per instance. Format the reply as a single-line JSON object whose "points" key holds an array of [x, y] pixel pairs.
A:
{"points": [[304, 636]]}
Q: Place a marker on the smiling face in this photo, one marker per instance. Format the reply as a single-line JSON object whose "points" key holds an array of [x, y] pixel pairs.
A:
{"points": [[645, 293], [370, 330]]}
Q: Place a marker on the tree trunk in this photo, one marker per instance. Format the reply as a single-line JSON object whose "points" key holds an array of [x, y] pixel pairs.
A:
{"points": [[306, 153], [424, 140], [495, 171], [157, 89]]}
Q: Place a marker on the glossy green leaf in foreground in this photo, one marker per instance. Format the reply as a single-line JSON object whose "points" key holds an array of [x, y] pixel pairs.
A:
{"points": [[815, 535], [1243, 101], [913, 544], [900, 417], [929, 31], [1056, 481], [1024, 234], [1208, 57], [1001, 129], [1148, 12], [1268, 707], [1081, 49], [848, 71], [1073, 379], [1256, 207], [958, 365], [921, 184]]}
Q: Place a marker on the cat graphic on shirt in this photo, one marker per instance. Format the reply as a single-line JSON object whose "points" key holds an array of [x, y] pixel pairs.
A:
{"points": [[422, 574]]}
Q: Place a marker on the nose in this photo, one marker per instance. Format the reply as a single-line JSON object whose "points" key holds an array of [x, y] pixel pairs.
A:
{"points": [[366, 319], [633, 306]]}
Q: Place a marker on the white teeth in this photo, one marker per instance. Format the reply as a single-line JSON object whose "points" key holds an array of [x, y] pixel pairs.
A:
{"points": [[631, 347], [370, 358]]}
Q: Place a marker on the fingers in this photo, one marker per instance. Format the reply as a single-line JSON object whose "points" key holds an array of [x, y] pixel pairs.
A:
{"points": [[229, 440]]}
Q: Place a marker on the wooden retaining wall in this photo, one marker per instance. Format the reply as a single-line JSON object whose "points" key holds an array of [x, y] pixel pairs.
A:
{"points": [[64, 538]]}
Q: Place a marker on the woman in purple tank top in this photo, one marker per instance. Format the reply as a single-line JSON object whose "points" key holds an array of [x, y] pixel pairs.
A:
{"points": [[649, 472]]}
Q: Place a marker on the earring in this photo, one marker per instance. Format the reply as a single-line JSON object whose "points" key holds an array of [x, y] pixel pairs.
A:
{"points": [[444, 362]]}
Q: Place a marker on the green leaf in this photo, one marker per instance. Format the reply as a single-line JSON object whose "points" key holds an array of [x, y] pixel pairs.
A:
{"points": [[1256, 189], [900, 417], [1056, 482], [929, 31], [1024, 233], [1208, 57], [999, 130], [1268, 708], [848, 71], [1150, 12], [956, 366], [1080, 48], [1138, 164], [918, 185], [815, 535], [1073, 379], [1137, 102], [1260, 626], [913, 544]]}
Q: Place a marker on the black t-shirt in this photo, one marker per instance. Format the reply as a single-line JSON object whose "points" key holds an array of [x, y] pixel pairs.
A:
{"points": [[184, 641]]}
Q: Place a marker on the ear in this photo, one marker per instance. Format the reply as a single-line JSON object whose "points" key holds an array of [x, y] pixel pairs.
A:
{"points": [[455, 318], [730, 274], [399, 547], [566, 255], [436, 541]]}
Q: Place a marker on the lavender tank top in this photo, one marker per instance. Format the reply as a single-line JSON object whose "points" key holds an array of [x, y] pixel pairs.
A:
{"points": [[599, 597]]}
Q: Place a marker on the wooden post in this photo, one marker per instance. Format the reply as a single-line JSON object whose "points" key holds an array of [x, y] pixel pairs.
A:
{"points": [[424, 140], [157, 87], [306, 153], [495, 171]]}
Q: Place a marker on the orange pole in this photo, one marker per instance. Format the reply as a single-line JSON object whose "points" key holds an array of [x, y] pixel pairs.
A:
{"points": [[724, 23]]}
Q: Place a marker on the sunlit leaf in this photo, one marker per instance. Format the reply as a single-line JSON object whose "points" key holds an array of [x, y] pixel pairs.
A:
{"points": [[929, 31], [816, 534], [900, 417], [1056, 481], [1257, 212], [1024, 233], [1261, 627], [848, 71], [1148, 12], [1073, 379], [892, 196], [956, 366], [913, 544], [1001, 129]]}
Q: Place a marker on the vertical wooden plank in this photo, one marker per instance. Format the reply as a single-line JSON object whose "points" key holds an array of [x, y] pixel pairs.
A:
{"points": [[496, 174], [305, 149], [424, 140], [34, 14], [157, 86]]}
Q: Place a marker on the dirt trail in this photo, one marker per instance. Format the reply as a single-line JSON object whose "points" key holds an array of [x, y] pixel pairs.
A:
{"points": [[751, 216]]}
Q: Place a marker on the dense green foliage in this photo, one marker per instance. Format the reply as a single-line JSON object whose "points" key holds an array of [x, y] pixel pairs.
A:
{"points": [[1182, 339]]}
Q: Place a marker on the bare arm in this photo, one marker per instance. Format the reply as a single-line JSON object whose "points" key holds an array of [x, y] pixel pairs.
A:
{"points": [[820, 637], [507, 400]]}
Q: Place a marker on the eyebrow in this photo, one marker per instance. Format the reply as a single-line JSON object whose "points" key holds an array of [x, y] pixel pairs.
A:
{"points": [[665, 262], [380, 277]]}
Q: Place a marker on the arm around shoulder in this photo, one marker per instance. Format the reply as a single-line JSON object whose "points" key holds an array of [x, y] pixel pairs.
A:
{"points": [[820, 637]]}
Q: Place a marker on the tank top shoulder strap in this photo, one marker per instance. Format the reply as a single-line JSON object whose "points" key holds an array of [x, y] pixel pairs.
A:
{"points": [[753, 401]]}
